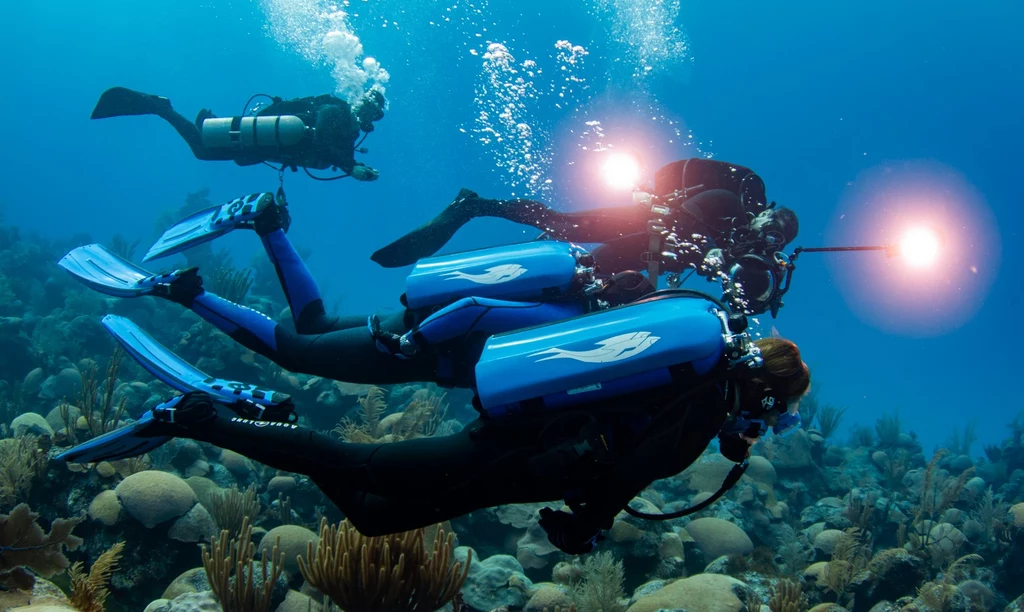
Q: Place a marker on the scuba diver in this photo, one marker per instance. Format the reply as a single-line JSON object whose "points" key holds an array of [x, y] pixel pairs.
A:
{"points": [[695, 205], [317, 133], [447, 302], [614, 386]]}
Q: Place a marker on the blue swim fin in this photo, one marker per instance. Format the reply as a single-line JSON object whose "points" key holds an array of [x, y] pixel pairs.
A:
{"points": [[159, 361], [210, 223], [128, 441], [101, 269]]}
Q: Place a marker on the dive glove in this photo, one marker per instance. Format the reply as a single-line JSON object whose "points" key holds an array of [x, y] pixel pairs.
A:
{"points": [[567, 533], [364, 173]]}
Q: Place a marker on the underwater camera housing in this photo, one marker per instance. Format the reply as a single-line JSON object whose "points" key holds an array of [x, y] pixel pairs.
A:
{"points": [[754, 267]]}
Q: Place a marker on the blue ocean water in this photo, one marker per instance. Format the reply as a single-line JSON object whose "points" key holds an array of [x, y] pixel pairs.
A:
{"points": [[851, 112]]}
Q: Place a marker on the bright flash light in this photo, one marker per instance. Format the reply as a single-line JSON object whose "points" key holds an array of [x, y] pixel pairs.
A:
{"points": [[920, 247], [621, 171]]}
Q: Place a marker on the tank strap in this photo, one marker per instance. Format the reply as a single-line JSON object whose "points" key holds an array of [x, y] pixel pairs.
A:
{"points": [[731, 479]]}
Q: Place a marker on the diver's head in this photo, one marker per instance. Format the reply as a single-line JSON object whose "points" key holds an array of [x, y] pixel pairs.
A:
{"points": [[781, 381], [784, 368], [777, 226], [370, 108]]}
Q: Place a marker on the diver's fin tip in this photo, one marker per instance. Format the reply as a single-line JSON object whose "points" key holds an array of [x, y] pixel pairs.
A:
{"points": [[101, 269], [122, 102], [128, 441], [210, 223]]}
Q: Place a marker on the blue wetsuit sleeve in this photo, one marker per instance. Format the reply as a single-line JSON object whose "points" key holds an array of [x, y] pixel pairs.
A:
{"points": [[488, 316]]}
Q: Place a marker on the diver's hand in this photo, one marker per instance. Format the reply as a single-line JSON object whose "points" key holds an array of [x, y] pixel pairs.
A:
{"points": [[567, 532], [735, 447], [364, 173]]}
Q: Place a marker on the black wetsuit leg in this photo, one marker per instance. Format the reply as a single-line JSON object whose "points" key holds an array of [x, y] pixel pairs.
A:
{"points": [[390, 487], [398, 486], [332, 347], [348, 354], [339, 348], [597, 225], [191, 134]]}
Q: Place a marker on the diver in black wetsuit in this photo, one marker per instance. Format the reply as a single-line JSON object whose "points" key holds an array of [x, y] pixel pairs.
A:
{"points": [[596, 458], [716, 198], [697, 208], [318, 132]]}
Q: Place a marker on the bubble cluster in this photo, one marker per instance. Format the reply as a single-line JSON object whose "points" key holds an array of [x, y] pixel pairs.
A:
{"points": [[645, 34], [320, 32], [569, 61], [511, 96], [644, 39]]}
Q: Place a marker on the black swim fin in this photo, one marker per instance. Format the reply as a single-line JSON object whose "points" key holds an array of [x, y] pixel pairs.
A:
{"points": [[122, 102], [430, 237]]}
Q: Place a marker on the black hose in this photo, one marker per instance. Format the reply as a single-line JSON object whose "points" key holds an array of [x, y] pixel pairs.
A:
{"points": [[245, 109], [320, 178], [731, 479]]}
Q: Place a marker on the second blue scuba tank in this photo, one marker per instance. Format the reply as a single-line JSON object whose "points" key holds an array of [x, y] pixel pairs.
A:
{"points": [[533, 271], [600, 355]]}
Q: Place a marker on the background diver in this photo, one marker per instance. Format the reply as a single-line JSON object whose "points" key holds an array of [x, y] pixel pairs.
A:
{"points": [[725, 204], [537, 444], [317, 132]]}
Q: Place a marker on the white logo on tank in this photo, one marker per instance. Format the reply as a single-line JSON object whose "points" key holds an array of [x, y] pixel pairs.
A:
{"points": [[492, 276], [610, 350]]}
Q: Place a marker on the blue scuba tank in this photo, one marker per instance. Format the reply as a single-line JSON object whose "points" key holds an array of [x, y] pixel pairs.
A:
{"points": [[600, 355], [541, 270]]}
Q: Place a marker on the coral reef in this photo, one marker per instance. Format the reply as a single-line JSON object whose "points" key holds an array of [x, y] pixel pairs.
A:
{"points": [[24, 546], [380, 574]]}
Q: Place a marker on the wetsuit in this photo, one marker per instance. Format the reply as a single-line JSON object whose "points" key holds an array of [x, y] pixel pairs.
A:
{"points": [[329, 144], [729, 193], [389, 487]]}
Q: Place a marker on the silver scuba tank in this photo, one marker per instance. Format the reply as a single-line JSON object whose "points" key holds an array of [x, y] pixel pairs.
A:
{"points": [[266, 132]]}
